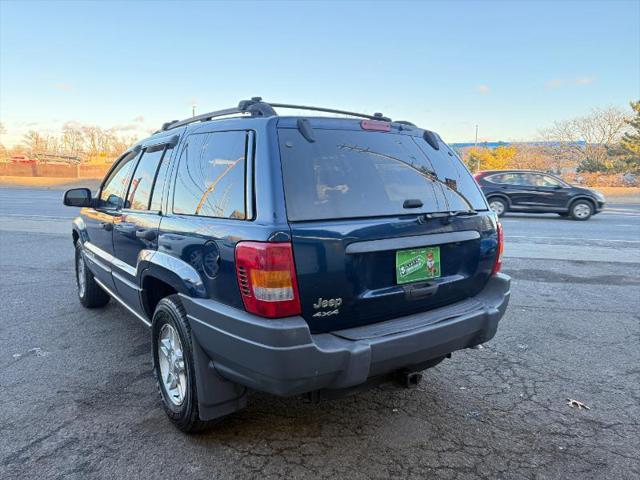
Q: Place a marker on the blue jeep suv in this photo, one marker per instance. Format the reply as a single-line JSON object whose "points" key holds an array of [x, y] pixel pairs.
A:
{"points": [[290, 254]]}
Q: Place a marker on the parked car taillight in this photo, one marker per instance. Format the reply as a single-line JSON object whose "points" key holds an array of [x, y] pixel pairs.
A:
{"points": [[267, 279], [498, 262]]}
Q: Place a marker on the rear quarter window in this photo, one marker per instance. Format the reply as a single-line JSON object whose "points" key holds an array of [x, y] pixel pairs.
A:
{"points": [[352, 174], [210, 181], [501, 178]]}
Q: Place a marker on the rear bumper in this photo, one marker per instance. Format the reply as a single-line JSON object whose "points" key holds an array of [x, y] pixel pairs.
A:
{"points": [[599, 207], [282, 356]]}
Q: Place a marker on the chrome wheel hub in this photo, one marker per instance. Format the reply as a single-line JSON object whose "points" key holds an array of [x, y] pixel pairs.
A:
{"points": [[171, 362], [497, 207], [81, 275], [581, 210]]}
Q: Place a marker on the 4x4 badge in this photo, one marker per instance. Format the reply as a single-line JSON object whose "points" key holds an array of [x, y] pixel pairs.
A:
{"points": [[327, 313]]}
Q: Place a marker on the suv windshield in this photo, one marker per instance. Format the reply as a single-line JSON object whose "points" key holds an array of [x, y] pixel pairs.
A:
{"points": [[351, 174]]}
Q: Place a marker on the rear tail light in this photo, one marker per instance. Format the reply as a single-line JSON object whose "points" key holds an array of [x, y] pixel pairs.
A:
{"points": [[498, 263], [267, 279]]}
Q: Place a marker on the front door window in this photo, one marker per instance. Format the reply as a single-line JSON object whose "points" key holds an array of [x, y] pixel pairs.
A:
{"points": [[114, 187]]}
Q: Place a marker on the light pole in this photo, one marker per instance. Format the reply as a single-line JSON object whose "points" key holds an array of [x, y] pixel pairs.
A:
{"points": [[475, 146], [193, 110]]}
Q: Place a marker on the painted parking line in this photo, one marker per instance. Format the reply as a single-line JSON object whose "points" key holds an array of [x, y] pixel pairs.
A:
{"points": [[621, 211], [580, 253], [563, 238], [23, 215], [32, 224], [620, 214]]}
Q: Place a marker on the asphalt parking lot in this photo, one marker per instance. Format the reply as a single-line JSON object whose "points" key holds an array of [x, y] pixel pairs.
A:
{"points": [[78, 398]]}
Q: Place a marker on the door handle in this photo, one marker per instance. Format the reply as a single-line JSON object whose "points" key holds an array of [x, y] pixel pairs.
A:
{"points": [[108, 226], [146, 234]]}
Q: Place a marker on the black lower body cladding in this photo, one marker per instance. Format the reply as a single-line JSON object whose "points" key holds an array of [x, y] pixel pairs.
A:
{"points": [[282, 357]]}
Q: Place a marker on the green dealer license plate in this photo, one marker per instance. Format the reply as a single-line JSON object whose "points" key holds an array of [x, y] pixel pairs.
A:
{"points": [[418, 264]]}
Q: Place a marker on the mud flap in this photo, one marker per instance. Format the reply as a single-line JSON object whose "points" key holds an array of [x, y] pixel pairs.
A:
{"points": [[217, 397]]}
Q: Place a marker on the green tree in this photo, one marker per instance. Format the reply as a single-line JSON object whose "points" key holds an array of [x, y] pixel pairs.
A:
{"points": [[592, 165], [630, 143]]}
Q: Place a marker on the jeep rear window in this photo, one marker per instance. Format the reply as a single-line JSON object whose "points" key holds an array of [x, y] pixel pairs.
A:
{"points": [[353, 174]]}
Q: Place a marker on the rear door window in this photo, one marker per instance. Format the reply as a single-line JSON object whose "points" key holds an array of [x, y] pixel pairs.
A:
{"points": [[546, 181], [159, 184], [524, 179], [501, 178], [211, 176], [143, 179], [352, 174]]}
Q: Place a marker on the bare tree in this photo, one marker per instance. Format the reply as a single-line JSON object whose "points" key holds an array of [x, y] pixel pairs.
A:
{"points": [[72, 141], [4, 153], [532, 157], [34, 141], [84, 142], [585, 140]]}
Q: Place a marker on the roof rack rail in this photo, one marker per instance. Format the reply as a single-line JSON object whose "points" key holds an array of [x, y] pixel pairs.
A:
{"points": [[257, 108]]}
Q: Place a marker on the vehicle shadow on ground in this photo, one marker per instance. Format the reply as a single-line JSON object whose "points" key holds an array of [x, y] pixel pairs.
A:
{"points": [[333, 436]]}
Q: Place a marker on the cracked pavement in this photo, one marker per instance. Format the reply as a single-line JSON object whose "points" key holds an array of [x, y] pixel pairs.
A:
{"points": [[79, 400]]}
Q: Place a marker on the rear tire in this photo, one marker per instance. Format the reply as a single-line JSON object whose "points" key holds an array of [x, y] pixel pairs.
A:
{"points": [[498, 206], [173, 365], [91, 295], [581, 210]]}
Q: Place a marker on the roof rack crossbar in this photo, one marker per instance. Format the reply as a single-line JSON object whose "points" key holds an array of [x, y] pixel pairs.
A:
{"points": [[375, 116], [256, 107]]}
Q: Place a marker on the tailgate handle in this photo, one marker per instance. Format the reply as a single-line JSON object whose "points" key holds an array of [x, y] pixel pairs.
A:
{"points": [[415, 292]]}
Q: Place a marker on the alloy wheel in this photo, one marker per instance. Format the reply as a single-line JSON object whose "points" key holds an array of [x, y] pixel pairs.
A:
{"points": [[496, 207], [582, 210], [171, 361], [81, 275]]}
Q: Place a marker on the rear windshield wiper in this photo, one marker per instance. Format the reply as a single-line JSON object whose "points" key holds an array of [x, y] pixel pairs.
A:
{"points": [[448, 183], [455, 213], [447, 216], [463, 212]]}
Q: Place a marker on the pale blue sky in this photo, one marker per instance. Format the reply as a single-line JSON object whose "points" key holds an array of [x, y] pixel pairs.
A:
{"points": [[511, 67]]}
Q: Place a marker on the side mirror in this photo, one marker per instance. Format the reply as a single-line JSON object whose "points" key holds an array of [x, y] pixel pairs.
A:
{"points": [[78, 197], [558, 186]]}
